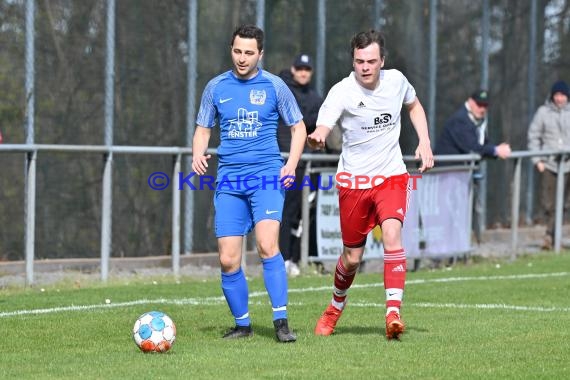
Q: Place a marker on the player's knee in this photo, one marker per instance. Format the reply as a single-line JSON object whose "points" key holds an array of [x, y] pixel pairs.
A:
{"points": [[267, 247], [391, 237], [351, 258], [229, 262]]}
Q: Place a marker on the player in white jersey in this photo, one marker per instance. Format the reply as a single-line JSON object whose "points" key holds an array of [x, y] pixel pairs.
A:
{"points": [[372, 176]]}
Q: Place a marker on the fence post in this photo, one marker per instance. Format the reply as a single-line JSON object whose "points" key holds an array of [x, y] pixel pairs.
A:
{"points": [[306, 223], [515, 203], [106, 212], [30, 164], [559, 204], [30, 215], [106, 216], [190, 119], [175, 248]]}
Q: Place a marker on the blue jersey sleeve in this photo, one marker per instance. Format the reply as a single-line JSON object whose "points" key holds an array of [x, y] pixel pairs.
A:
{"points": [[208, 112], [286, 102]]}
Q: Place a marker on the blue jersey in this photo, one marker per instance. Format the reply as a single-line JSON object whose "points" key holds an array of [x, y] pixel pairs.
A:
{"points": [[248, 112]]}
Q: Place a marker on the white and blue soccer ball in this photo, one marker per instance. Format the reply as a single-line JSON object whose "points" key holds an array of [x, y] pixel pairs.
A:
{"points": [[154, 332]]}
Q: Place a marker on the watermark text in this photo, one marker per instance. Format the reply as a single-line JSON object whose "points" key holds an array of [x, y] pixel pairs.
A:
{"points": [[161, 181]]}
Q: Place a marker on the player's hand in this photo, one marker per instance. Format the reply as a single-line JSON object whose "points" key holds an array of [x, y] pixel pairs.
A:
{"points": [[200, 163], [287, 176], [316, 141], [424, 152]]}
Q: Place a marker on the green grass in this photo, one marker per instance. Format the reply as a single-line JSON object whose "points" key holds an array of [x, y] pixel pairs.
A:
{"points": [[461, 324]]}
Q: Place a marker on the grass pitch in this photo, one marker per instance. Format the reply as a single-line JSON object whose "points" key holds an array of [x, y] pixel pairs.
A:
{"points": [[487, 320]]}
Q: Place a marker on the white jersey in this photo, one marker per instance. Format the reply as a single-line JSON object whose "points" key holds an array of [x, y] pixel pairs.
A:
{"points": [[370, 123]]}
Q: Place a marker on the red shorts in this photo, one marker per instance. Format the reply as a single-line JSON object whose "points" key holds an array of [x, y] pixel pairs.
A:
{"points": [[363, 209]]}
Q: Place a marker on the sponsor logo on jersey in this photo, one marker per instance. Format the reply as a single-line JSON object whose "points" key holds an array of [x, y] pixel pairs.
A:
{"points": [[245, 125], [384, 118], [382, 123]]}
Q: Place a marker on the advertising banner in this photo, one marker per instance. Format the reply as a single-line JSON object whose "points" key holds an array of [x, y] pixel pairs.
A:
{"points": [[436, 224]]}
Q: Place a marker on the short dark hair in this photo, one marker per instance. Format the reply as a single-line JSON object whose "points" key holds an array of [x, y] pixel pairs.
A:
{"points": [[365, 39], [249, 31]]}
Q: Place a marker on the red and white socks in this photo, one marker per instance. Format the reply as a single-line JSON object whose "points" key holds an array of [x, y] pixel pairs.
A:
{"points": [[394, 278], [342, 281]]}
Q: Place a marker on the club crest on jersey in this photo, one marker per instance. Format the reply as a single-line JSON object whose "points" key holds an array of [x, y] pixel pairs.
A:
{"points": [[257, 97]]}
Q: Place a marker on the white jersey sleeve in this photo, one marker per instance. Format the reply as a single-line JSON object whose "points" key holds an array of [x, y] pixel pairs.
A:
{"points": [[332, 108], [409, 91]]}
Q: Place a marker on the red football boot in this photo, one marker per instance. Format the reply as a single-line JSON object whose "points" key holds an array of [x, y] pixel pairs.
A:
{"points": [[327, 321], [394, 326]]}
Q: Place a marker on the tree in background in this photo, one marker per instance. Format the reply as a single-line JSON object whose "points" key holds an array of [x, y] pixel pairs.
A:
{"points": [[150, 96]]}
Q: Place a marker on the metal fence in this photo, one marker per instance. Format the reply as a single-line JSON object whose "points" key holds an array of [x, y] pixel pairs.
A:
{"points": [[126, 74], [129, 72], [33, 154]]}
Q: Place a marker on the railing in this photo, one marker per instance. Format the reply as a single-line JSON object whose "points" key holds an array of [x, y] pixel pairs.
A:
{"points": [[516, 186], [468, 163], [177, 152], [106, 211]]}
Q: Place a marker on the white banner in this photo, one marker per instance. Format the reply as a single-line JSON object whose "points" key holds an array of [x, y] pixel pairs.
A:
{"points": [[438, 215]]}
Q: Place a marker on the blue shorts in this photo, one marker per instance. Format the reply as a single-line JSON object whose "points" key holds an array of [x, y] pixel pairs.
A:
{"points": [[240, 208]]}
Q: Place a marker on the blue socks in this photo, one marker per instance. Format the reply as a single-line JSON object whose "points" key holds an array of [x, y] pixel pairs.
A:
{"points": [[234, 286], [275, 278]]}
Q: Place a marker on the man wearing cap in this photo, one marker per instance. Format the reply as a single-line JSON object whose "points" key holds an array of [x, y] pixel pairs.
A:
{"points": [[298, 79], [550, 130], [465, 131]]}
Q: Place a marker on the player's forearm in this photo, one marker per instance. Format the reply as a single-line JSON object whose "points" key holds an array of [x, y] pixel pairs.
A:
{"points": [[200, 141], [419, 121], [298, 137]]}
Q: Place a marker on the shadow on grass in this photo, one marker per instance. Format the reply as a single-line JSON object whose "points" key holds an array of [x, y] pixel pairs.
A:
{"points": [[267, 331], [372, 330]]}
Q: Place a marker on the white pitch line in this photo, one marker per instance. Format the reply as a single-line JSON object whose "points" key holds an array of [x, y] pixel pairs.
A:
{"points": [[439, 280], [162, 301], [445, 306], [500, 306], [218, 300]]}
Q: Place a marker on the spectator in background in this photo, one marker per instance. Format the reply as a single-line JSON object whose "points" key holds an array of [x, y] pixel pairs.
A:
{"points": [[466, 132], [1, 137], [550, 130], [298, 79]]}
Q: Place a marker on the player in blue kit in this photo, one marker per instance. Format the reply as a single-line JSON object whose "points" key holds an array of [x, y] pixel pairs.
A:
{"points": [[248, 102]]}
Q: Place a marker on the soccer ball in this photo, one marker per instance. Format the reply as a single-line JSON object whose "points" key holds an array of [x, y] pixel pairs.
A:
{"points": [[154, 332]]}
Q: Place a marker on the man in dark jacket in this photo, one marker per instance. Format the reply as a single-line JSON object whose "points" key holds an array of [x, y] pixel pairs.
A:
{"points": [[298, 79], [465, 131]]}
